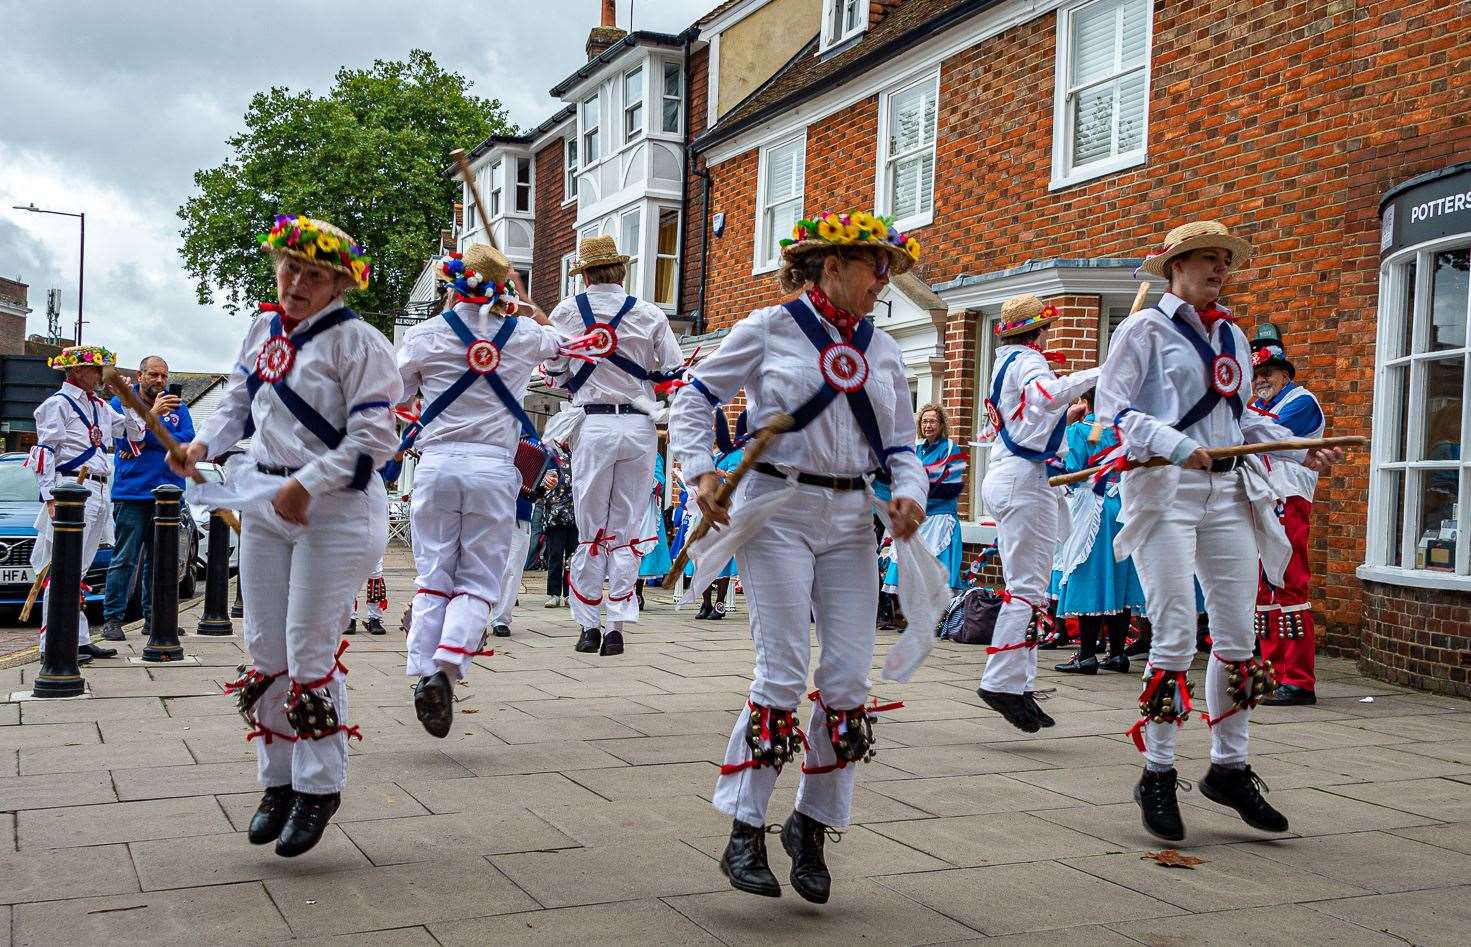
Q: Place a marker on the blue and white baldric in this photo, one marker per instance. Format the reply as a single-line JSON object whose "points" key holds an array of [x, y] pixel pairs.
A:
{"points": [[94, 432], [993, 409], [605, 347]]}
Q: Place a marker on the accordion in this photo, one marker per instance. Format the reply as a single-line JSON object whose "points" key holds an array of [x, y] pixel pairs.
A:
{"points": [[531, 461]]}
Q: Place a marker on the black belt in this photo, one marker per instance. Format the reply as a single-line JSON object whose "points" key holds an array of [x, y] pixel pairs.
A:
{"points": [[1225, 464], [612, 409], [277, 471], [812, 480], [97, 477]]}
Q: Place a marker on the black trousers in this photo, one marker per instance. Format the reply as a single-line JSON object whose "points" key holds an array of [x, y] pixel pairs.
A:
{"points": [[561, 542]]}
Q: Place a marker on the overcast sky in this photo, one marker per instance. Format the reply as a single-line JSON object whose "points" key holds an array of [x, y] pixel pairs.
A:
{"points": [[110, 107]]}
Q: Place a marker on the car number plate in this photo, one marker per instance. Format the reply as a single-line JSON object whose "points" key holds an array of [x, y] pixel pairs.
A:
{"points": [[16, 576]]}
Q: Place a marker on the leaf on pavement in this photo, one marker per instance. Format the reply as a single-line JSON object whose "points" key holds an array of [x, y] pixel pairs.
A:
{"points": [[1171, 858]]}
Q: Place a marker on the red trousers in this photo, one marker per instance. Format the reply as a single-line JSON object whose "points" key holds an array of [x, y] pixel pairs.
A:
{"points": [[1284, 616]]}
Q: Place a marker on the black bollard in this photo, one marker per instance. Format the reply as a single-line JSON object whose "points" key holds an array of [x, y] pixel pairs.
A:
{"points": [[216, 620], [237, 610], [163, 640], [59, 675]]}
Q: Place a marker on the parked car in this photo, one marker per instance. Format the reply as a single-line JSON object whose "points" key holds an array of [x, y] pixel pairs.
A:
{"points": [[200, 514]]}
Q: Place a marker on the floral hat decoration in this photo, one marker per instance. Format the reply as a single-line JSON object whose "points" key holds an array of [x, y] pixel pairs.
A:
{"points": [[852, 229], [80, 355], [1023, 314], [481, 275], [317, 241]]}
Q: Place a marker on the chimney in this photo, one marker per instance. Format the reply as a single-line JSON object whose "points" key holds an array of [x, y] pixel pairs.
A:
{"points": [[605, 34]]}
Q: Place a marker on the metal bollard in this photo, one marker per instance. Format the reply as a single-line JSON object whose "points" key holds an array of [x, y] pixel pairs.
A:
{"points": [[237, 610], [216, 620], [163, 640], [59, 675]]}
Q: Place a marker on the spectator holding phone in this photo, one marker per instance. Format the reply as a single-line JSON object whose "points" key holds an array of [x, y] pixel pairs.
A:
{"points": [[140, 468]]}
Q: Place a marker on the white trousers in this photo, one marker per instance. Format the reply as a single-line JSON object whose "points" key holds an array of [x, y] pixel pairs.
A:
{"points": [[299, 582], [97, 517], [374, 609], [463, 517], [1016, 493], [612, 471], [813, 559], [511, 581], [1207, 534]]}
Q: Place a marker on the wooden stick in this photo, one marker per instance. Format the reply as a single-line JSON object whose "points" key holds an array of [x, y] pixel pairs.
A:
{"points": [[753, 451], [1095, 435], [41, 573], [130, 398], [1240, 450]]}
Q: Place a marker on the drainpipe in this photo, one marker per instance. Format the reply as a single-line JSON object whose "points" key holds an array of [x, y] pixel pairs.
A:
{"points": [[684, 180], [704, 250]]}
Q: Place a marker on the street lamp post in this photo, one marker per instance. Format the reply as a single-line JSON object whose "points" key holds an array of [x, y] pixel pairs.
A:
{"points": [[81, 256]]}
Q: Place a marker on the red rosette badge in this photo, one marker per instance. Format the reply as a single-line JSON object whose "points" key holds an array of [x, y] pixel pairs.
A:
{"points": [[844, 367], [483, 357], [275, 359], [1226, 375], [603, 340]]}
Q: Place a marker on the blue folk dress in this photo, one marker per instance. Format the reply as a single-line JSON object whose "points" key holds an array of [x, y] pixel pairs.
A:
{"points": [[1093, 582], [655, 562], [725, 463], [944, 464]]}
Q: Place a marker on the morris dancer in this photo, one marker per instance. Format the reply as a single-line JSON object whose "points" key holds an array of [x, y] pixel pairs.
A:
{"points": [[1174, 383], [944, 463], [313, 388], [613, 459], [814, 556], [526, 500], [1284, 614], [1027, 412], [472, 363], [74, 435], [376, 599]]}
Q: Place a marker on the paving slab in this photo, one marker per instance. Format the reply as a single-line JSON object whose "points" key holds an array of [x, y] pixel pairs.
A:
{"points": [[632, 922], [657, 867], [48, 734], [992, 839], [1434, 918], [600, 822], [524, 791], [28, 877], [86, 711], [55, 790], [487, 830], [1118, 824], [221, 859], [165, 782], [956, 761], [1076, 937], [1376, 763], [1319, 812], [532, 730], [1454, 837], [35, 761], [859, 852], [417, 936], [79, 826], [688, 748], [1443, 799], [649, 782], [362, 801], [225, 914], [970, 795], [1379, 862]]}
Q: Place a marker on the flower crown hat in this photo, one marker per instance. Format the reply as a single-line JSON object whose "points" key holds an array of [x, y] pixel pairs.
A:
{"points": [[1023, 314], [318, 242], [81, 355], [858, 229], [481, 275]]}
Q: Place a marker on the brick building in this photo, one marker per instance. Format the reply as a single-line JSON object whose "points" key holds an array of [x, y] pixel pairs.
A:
{"points": [[13, 311]]}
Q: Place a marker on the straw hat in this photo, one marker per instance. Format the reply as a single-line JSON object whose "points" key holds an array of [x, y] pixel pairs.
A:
{"points": [[1196, 236], [318, 242], [482, 274], [852, 229], [601, 250], [74, 356], [1024, 314]]}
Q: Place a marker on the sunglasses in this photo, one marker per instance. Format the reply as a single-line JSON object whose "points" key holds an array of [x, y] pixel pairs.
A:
{"points": [[880, 263]]}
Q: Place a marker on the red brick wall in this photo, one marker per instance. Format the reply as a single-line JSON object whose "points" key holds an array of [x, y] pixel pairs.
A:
{"points": [[554, 237], [1286, 121], [697, 103], [1416, 637]]}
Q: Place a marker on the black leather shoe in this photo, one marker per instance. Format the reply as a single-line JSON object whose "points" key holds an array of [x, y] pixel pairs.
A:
{"points": [[1079, 665], [1138, 648], [1158, 807], [704, 612], [1037, 711], [501, 631], [434, 704], [352, 627], [612, 643], [1013, 707], [1240, 789], [93, 650], [308, 820], [1290, 695], [1115, 662], [744, 861], [83, 658], [112, 630], [718, 612], [802, 838], [375, 627], [270, 815], [590, 640]]}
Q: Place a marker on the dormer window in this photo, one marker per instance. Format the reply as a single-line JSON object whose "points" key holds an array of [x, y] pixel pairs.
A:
{"points": [[842, 20], [633, 104], [497, 184]]}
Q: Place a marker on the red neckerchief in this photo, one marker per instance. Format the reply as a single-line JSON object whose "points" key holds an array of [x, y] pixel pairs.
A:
{"points": [[1213, 314], [1053, 358], [844, 320], [288, 324]]}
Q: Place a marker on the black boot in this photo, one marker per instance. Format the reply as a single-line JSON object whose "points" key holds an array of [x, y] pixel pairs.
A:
{"points": [[718, 612], [1157, 806], [589, 642], [1013, 707], [501, 631], [352, 627], [802, 838], [1239, 788], [705, 609], [1037, 711], [375, 627], [1079, 664], [1290, 695], [434, 704], [612, 643], [94, 651], [744, 861], [1115, 662], [308, 820], [270, 815]]}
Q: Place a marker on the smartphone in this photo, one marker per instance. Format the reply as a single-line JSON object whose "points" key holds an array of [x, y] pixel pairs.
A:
{"points": [[176, 389]]}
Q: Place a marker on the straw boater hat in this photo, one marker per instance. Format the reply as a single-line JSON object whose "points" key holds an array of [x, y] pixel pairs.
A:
{"points": [[853, 229], [317, 241], [1268, 350], [482, 274], [1196, 236], [1024, 314], [75, 356], [601, 250]]}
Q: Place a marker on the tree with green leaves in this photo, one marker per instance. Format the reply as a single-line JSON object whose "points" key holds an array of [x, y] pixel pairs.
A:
{"points": [[368, 157]]}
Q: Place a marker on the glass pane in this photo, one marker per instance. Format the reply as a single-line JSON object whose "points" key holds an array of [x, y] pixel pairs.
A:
{"points": [[572, 154], [1094, 42], [1133, 104], [1401, 333], [1092, 124], [1441, 437], [590, 113], [907, 119], [672, 79], [1435, 545], [671, 115], [664, 281], [779, 223], [1397, 382], [523, 171], [633, 121], [630, 242], [783, 174], [590, 141], [633, 86], [1394, 503], [668, 232], [1448, 299], [523, 197]]}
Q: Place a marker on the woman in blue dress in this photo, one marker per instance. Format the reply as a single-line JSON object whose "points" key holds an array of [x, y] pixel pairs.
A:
{"points": [[653, 543], [944, 463], [1098, 590]]}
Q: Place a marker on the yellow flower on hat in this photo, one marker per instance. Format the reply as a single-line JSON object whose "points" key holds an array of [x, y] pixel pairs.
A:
{"points": [[912, 247], [863, 220], [878, 228], [828, 228], [327, 243], [851, 232]]}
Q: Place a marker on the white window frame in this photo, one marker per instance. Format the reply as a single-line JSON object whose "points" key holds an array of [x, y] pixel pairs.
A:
{"points": [[634, 133], [1105, 327], [980, 456], [529, 187], [571, 282], [1063, 172], [1390, 442], [760, 263], [834, 12], [673, 258], [468, 214], [497, 185], [886, 162], [631, 282], [569, 169], [589, 156], [677, 98]]}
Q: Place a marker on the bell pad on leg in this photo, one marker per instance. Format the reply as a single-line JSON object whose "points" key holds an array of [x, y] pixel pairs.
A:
{"points": [[851, 732], [378, 591], [248, 689], [312, 714], [1166, 698], [1248, 683], [774, 737]]}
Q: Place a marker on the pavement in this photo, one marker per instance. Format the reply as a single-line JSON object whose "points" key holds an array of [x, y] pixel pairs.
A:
{"points": [[570, 805]]}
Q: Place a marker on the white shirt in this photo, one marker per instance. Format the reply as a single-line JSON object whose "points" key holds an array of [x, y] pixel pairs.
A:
{"points": [[61, 436], [431, 358], [1042, 396], [1153, 369], [768, 355], [644, 338], [1298, 410], [346, 373]]}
